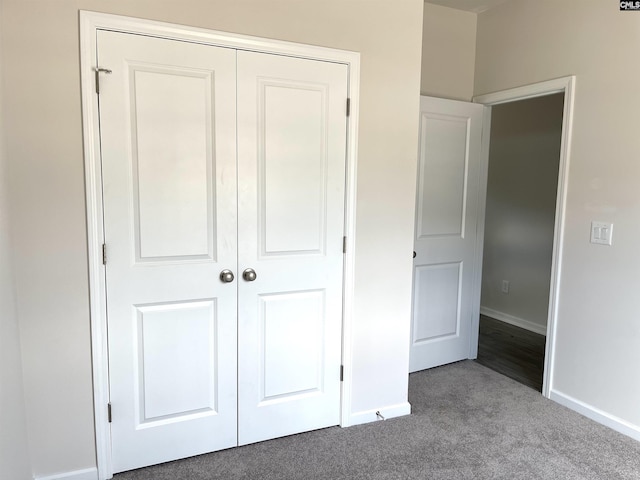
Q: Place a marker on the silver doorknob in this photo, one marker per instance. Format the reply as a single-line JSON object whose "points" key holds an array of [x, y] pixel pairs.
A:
{"points": [[249, 275], [226, 276]]}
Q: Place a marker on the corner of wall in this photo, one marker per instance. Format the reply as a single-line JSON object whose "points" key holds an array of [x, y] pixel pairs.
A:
{"points": [[448, 52]]}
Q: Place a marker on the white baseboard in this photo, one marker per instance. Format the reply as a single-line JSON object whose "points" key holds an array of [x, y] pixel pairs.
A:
{"points": [[86, 474], [369, 416], [518, 322], [597, 415]]}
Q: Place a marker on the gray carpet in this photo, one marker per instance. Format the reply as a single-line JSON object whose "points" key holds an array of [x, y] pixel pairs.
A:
{"points": [[468, 422]]}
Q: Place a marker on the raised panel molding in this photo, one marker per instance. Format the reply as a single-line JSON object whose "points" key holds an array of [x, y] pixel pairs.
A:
{"points": [[441, 286], [280, 169], [174, 218], [442, 211], [284, 336], [193, 343]]}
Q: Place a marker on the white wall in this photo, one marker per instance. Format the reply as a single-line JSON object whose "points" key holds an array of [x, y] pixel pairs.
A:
{"points": [[521, 202], [598, 331], [14, 461], [44, 153], [448, 52]]}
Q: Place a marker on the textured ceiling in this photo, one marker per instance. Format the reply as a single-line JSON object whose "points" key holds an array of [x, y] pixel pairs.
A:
{"points": [[476, 6]]}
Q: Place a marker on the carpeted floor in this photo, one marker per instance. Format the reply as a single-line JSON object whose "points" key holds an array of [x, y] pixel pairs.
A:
{"points": [[467, 422]]}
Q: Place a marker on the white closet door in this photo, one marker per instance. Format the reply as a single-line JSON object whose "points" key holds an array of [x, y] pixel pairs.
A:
{"points": [[291, 162], [167, 118], [445, 233]]}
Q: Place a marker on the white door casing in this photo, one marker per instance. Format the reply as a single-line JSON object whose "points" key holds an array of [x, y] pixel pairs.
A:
{"points": [[167, 114], [168, 118], [447, 211], [91, 23], [291, 166], [564, 85]]}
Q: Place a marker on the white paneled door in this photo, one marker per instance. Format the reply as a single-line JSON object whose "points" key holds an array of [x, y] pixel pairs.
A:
{"points": [[291, 165], [445, 233], [167, 124], [201, 361]]}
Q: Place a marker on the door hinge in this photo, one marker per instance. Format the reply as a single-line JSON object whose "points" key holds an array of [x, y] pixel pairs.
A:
{"points": [[344, 244], [341, 373], [109, 412], [97, 71], [348, 107], [104, 253]]}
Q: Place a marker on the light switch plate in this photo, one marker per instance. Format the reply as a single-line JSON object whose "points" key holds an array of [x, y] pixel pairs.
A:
{"points": [[601, 233]]}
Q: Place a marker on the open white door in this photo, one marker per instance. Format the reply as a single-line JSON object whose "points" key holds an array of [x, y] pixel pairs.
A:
{"points": [[445, 233]]}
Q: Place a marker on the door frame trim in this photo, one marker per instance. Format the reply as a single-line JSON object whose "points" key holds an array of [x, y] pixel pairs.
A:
{"points": [[90, 23], [564, 85]]}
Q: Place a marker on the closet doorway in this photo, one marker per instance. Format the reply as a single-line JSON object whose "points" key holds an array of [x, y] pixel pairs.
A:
{"points": [[219, 190]]}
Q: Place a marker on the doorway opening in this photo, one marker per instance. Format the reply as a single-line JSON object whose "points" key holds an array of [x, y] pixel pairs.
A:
{"points": [[526, 160], [524, 155]]}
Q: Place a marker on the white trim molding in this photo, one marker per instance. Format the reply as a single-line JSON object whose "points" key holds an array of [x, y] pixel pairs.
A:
{"points": [[86, 474], [479, 249], [526, 92], [90, 24], [564, 85], [597, 415], [385, 413], [513, 320]]}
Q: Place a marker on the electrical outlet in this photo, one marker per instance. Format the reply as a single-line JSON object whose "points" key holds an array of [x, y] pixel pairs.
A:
{"points": [[505, 286]]}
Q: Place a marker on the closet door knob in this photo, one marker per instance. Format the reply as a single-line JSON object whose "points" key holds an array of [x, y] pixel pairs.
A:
{"points": [[226, 276], [249, 275]]}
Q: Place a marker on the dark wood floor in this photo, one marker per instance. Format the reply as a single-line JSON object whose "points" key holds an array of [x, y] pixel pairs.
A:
{"points": [[512, 351]]}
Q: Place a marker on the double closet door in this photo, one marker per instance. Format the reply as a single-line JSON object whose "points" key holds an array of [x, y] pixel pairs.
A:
{"points": [[223, 185]]}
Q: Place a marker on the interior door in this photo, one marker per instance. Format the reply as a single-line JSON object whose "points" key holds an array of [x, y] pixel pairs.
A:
{"points": [[182, 204], [445, 232], [291, 164], [167, 120]]}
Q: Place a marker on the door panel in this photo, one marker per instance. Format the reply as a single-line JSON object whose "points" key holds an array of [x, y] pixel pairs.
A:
{"points": [[282, 317], [167, 115], [443, 176], [292, 167], [291, 157], [172, 162], [445, 242], [176, 343], [438, 299]]}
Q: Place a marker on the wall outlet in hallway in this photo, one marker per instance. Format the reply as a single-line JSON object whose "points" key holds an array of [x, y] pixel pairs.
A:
{"points": [[505, 286]]}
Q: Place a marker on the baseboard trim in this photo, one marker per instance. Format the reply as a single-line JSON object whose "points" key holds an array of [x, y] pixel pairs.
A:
{"points": [[510, 319], [597, 415], [86, 474], [369, 416]]}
